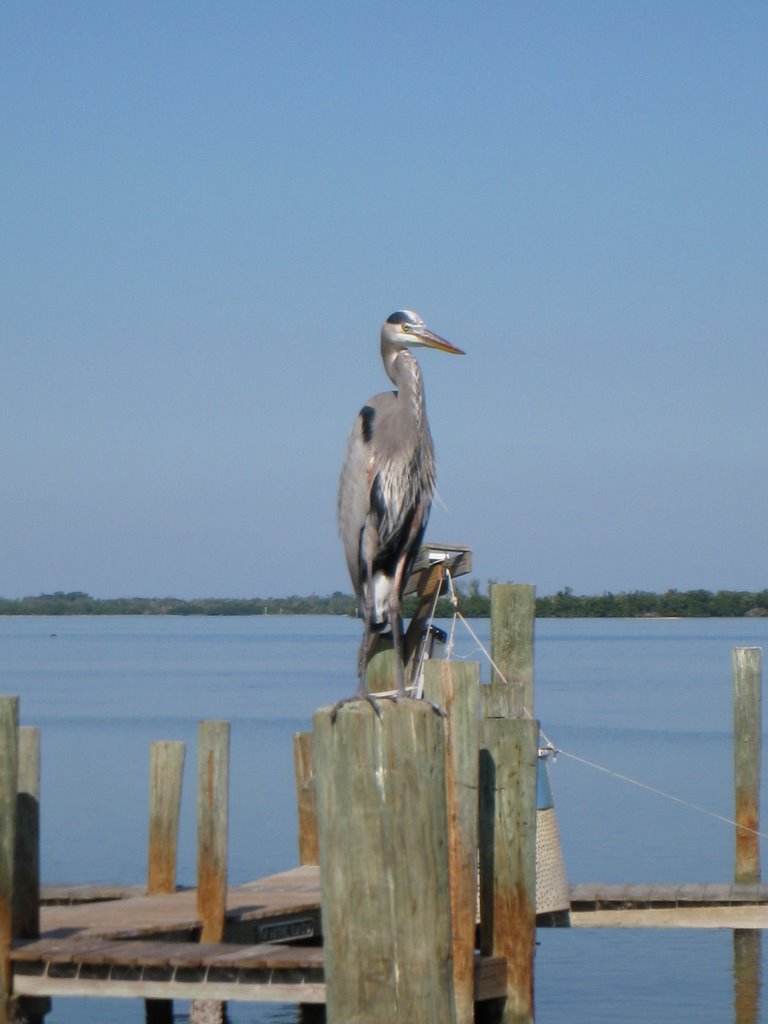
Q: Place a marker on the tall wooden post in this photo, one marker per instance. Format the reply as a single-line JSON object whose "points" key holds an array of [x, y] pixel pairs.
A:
{"points": [[26, 909], [508, 770], [212, 848], [513, 615], [508, 765], [747, 748], [747, 727], [9, 774], [305, 798], [454, 687], [382, 820], [166, 773], [212, 827]]}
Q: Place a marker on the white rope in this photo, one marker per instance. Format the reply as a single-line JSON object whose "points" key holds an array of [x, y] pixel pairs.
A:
{"points": [[661, 792], [551, 748]]}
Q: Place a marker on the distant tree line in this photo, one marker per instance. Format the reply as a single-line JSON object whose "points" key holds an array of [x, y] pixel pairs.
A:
{"points": [[471, 602]]}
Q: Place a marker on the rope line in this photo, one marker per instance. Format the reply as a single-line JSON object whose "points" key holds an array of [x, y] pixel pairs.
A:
{"points": [[554, 750], [661, 792]]}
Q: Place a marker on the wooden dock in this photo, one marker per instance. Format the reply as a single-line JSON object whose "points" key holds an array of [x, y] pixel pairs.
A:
{"points": [[134, 945], [97, 940]]}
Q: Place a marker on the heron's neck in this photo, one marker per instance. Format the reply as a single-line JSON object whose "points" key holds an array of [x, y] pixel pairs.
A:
{"points": [[405, 373]]}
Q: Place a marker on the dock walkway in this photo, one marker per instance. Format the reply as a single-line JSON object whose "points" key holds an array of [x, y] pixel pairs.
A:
{"points": [[133, 945], [98, 941]]}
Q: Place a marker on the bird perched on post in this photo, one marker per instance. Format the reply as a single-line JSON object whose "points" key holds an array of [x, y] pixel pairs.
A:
{"points": [[386, 486]]}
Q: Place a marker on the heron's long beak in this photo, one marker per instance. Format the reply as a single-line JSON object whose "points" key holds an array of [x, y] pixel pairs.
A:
{"points": [[423, 336]]}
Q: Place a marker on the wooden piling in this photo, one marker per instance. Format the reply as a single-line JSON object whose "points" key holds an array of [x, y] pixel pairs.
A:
{"points": [[26, 903], [513, 615], [747, 724], [9, 774], [507, 829], [382, 821], [305, 798], [212, 848], [212, 827], [166, 772], [454, 687]]}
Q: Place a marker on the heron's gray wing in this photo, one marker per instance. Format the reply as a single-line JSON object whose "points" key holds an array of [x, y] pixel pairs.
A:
{"points": [[358, 483]]}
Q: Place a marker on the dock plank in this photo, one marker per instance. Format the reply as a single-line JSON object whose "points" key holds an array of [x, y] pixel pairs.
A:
{"points": [[185, 970], [288, 893]]}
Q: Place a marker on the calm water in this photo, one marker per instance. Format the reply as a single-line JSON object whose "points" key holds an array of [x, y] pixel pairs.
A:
{"points": [[649, 699]]}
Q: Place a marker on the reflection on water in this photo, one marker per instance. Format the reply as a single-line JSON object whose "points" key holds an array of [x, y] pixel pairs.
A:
{"points": [[747, 945]]}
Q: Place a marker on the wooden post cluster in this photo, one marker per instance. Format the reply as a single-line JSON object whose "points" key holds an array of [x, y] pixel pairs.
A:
{"points": [[398, 824]]}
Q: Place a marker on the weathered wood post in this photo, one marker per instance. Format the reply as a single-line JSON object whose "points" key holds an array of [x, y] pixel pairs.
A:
{"points": [[26, 884], [166, 773], [9, 775], [454, 687], [747, 728], [212, 827], [747, 750], [508, 772], [508, 765], [513, 616], [382, 820], [305, 798], [26, 904], [212, 847]]}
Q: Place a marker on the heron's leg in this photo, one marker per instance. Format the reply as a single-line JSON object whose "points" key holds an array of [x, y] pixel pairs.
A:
{"points": [[366, 644], [398, 642]]}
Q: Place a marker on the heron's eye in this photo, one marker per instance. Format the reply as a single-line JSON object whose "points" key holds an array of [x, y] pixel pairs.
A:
{"points": [[406, 328]]}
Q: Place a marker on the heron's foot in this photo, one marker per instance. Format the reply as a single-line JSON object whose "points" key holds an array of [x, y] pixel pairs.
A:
{"points": [[435, 707], [360, 695]]}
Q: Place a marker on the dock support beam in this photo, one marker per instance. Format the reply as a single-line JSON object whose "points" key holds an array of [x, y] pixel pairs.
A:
{"points": [[382, 820]]}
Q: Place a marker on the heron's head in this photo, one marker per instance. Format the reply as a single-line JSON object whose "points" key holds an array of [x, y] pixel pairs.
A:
{"points": [[406, 329]]}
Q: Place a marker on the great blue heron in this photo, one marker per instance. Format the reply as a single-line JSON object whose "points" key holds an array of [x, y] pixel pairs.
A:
{"points": [[385, 489]]}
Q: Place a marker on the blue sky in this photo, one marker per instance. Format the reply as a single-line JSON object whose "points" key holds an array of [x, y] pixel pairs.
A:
{"points": [[209, 209]]}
